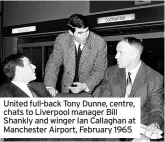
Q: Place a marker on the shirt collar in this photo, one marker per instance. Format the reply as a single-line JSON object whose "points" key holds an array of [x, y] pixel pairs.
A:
{"points": [[18, 83], [23, 86], [133, 72], [77, 43]]}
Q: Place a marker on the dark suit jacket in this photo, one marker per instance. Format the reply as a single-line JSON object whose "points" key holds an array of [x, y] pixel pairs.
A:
{"points": [[148, 85], [93, 62], [11, 90]]}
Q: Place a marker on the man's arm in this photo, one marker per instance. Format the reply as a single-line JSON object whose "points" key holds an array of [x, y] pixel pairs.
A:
{"points": [[156, 103], [105, 90], [5, 93], [53, 64]]}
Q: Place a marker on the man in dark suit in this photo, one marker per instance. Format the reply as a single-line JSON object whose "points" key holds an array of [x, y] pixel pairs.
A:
{"points": [[83, 55], [21, 72], [133, 78]]}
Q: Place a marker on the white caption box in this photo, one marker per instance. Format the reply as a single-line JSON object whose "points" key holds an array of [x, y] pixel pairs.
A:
{"points": [[70, 118]]}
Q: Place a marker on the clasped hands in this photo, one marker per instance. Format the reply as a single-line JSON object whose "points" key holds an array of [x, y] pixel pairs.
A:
{"points": [[77, 89], [152, 131]]}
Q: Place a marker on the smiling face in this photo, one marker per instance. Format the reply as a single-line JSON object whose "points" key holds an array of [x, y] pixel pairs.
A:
{"points": [[125, 54], [28, 71], [80, 35]]}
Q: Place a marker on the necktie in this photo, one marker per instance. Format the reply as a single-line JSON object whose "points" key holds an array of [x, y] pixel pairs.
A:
{"points": [[128, 85], [32, 91], [79, 50], [77, 60]]}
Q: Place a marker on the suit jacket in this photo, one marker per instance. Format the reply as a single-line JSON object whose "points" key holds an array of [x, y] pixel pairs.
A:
{"points": [[148, 85], [92, 63], [11, 90]]}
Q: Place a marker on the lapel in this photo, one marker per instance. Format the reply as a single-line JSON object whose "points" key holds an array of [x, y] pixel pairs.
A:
{"points": [[86, 51], [139, 79], [71, 56], [119, 82], [17, 91]]}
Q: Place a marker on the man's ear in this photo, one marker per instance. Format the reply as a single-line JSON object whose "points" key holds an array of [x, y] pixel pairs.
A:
{"points": [[70, 32], [134, 54]]}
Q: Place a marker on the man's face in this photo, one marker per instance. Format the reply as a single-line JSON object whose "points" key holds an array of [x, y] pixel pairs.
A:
{"points": [[124, 55], [28, 70], [81, 35]]}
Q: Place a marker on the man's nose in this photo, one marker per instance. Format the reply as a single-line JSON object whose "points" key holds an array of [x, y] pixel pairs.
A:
{"points": [[34, 67], [116, 56]]}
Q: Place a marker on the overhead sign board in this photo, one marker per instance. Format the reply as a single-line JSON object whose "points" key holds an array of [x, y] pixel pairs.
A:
{"points": [[138, 2], [24, 29], [117, 18]]}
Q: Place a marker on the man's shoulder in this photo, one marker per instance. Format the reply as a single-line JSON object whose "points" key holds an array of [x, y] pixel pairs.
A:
{"points": [[63, 36], [112, 69], [6, 88], [96, 36], [34, 83], [153, 74]]}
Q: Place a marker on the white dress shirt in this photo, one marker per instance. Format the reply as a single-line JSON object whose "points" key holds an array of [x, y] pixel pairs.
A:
{"points": [[23, 87], [133, 72], [77, 44]]}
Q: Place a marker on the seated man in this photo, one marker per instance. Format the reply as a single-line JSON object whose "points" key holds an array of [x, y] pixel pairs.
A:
{"points": [[131, 77], [20, 71]]}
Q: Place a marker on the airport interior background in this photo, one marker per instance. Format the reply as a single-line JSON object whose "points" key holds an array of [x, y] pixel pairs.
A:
{"points": [[49, 20]]}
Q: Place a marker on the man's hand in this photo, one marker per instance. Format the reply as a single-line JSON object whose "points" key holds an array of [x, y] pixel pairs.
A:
{"points": [[153, 126], [152, 131], [52, 91], [77, 89]]}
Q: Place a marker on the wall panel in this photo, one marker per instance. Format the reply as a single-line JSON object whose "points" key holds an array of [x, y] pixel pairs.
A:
{"points": [[24, 12]]}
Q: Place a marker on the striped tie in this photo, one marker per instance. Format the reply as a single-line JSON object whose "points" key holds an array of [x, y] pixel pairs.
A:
{"points": [[128, 85]]}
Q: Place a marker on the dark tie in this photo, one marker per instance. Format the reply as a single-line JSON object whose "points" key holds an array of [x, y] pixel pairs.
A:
{"points": [[79, 50], [77, 60], [32, 91], [128, 85]]}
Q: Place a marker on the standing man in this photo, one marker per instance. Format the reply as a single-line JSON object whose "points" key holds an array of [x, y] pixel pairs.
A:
{"points": [[133, 78], [84, 56]]}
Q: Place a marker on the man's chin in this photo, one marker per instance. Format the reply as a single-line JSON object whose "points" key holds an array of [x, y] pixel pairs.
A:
{"points": [[119, 66], [34, 78]]}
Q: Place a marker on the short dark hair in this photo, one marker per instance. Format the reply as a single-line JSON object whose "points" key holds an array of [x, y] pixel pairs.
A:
{"points": [[9, 64], [134, 42], [76, 21]]}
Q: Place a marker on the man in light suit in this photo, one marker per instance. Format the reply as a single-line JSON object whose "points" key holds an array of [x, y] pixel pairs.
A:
{"points": [[145, 82], [84, 70]]}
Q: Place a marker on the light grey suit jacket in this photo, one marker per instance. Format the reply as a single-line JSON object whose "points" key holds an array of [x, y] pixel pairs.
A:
{"points": [[148, 86], [93, 62]]}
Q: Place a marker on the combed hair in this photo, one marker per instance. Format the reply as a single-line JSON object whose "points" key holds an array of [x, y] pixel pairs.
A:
{"points": [[134, 42], [76, 21], [9, 64]]}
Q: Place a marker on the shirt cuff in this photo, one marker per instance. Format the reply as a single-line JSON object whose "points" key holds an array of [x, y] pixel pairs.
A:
{"points": [[49, 87], [86, 88]]}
